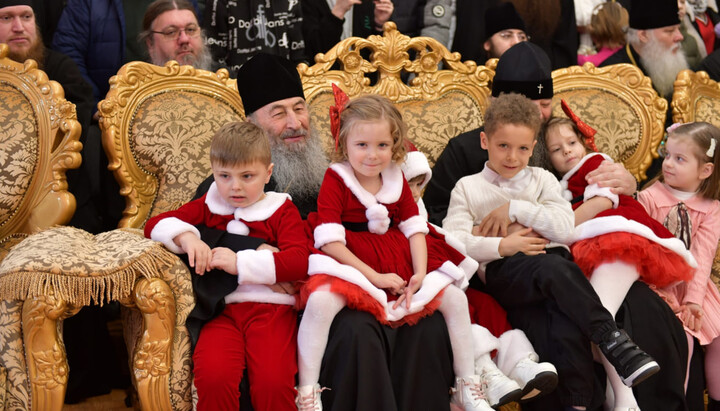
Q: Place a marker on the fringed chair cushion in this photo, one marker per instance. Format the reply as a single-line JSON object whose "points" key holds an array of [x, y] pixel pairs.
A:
{"points": [[18, 136], [81, 268]]}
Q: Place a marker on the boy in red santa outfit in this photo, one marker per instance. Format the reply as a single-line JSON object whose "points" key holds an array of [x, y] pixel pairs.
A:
{"points": [[258, 316], [517, 374]]}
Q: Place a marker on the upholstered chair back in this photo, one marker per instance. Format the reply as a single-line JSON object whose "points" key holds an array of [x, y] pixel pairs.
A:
{"points": [[438, 104], [620, 103]]}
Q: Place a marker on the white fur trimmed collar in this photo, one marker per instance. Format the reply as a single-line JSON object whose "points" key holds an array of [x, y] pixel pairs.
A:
{"points": [[392, 179], [574, 170], [260, 211]]}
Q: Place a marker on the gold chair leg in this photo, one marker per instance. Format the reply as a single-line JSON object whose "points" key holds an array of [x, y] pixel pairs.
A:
{"points": [[45, 351], [152, 356]]}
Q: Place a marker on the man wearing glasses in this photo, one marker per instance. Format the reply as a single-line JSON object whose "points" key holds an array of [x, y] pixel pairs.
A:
{"points": [[504, 28], [171, 32]]}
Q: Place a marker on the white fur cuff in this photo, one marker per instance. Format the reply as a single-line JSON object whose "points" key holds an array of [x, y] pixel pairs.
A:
{"points": [[255, 267], [594, 190], [414, 225], [169, 228], [328, 233]]}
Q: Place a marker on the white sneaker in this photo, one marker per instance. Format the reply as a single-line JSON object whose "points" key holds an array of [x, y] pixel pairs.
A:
{"points": [[498, 388], [308, 398], [534, 378], [468, 394]]}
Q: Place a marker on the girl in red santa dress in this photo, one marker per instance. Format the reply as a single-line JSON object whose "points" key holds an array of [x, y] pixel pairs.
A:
{"points": [[616, 242], [374, 253], [685, 199]]}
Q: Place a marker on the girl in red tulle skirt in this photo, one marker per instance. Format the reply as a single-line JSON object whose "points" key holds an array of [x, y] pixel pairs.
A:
{"points": [[376, 253], [616, 242]]}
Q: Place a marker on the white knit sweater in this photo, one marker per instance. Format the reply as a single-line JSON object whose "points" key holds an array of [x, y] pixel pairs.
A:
{"points": [[536, 201]]}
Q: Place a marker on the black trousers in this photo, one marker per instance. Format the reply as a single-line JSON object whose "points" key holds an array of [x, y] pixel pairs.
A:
{"points": [[371, 367], [548, 297]]}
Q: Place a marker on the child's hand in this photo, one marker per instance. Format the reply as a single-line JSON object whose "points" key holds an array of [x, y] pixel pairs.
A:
{"points": [[383, 11], [523, 241], [224, 259], [496, 223], [410, 290], [389, 281], [199, 254], [285, 287], [692, 316], [265, 246]]}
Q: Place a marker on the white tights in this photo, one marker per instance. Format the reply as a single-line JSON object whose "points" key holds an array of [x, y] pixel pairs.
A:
{"points": [[611, 282], [323, 305]]}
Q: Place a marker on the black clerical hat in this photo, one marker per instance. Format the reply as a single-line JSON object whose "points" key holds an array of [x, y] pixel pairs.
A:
{"points": [[8, 3], [653, 14], [525, 69], [266, 78], [502, 17]]}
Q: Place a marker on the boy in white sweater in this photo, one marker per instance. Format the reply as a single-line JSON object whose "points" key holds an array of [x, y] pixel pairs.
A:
{"points": [[523, 222]]}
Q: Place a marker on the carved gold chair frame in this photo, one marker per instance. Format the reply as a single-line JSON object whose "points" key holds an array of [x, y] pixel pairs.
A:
{"points": [[621, 104], [438, 104], [157, 123], [39, 141]]}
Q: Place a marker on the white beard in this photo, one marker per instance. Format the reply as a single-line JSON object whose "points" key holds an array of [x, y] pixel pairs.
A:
{"points": [[662, 65], [299, 172]]}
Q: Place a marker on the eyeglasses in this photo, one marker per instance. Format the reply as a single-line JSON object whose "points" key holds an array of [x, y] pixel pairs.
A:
{"points": [[507, 35], [172, 33]]}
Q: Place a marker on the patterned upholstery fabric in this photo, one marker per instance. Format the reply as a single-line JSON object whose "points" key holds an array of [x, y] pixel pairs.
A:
{"points": [[81, 267], [18, 149], [14, 383], [707, 109], [616, 122], [170, 138], [431, 123]]}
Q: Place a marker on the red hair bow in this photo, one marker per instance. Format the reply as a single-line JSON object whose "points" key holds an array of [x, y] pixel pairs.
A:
{"points": [[587, 131], [341, 99]]}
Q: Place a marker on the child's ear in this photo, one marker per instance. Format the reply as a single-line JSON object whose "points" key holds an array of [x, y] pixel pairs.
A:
{"points": [[270, 170], [706, 170], [483, 140]]}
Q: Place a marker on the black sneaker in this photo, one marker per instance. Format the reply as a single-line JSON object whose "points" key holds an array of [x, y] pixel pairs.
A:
{"points": [[631, 363]]}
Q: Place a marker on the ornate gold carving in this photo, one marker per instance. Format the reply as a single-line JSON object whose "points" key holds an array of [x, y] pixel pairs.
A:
{"points": [[46, 200], [45, 352], [138, 84], [621, 104], [696, 97], [438, 103], [152, 357]]}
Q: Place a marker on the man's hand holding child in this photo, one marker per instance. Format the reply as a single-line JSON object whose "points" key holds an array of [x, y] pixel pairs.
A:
{"points": [[524, 241]]}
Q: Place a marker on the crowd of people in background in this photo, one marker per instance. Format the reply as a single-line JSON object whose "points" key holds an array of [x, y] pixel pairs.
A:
{"points": [[529, 270]]}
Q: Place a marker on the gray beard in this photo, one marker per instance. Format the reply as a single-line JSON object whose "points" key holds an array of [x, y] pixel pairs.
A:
{"points": [[202, 60], [662, 65], [299, 172]]}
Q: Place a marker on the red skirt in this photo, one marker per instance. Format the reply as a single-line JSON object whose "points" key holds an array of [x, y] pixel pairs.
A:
{"points": [[656, 265]]}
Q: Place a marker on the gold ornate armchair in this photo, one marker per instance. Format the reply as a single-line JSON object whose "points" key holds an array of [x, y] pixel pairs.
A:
{"points": [[437, 105], [621, 104], [157, 123], [39, 141], [696, 97]]}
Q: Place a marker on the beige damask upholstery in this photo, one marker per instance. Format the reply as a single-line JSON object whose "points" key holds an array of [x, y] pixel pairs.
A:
{"points": [[157, 123], [437, 105], [620, 103], [39, 141], [696, 97]]}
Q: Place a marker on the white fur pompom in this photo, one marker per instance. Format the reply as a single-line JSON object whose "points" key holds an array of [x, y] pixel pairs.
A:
{"points": [[378, 221], [237, 227]]}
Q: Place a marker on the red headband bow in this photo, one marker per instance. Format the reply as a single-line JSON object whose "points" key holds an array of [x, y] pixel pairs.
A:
{"points": [[587, 131], [341, 100]]}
